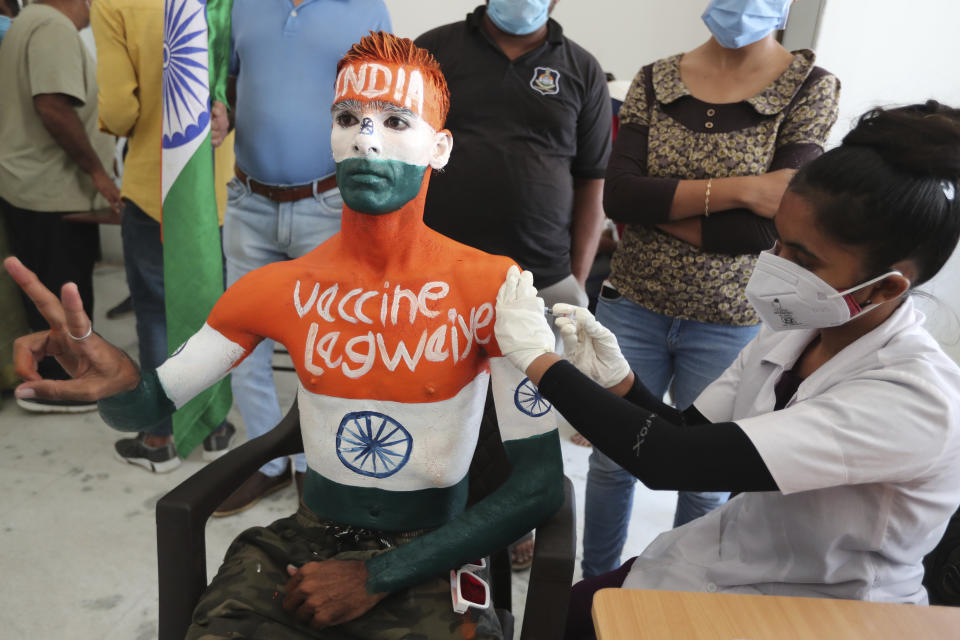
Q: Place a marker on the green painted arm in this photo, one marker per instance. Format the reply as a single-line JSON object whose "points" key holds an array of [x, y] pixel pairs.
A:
{"points": [[533, 492], [138, 409]]}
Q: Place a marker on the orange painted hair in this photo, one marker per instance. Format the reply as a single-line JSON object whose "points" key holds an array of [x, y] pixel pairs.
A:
{"points": [[385, 47]]}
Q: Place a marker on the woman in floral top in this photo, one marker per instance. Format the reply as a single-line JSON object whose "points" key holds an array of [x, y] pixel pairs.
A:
{"points": [[708, 142]]}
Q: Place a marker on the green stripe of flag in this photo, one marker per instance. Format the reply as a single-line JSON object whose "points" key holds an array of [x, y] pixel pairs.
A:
{"points": [[192, 257]]}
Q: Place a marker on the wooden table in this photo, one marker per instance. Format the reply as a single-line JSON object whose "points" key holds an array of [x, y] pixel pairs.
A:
{"points": [[632, 614]]}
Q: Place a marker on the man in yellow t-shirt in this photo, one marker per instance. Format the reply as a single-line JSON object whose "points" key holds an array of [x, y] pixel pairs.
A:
{"points": [[129, 39]]}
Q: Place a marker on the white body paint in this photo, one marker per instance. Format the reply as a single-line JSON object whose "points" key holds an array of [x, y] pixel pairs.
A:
{"points": [[443, 433], [202, 360], [394, 134]]}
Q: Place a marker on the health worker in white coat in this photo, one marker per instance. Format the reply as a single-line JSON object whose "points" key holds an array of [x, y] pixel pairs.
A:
{"points": [[842, 435]]}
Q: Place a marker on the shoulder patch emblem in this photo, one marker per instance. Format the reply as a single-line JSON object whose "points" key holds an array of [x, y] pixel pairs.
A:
{"points": [[546, 81]]}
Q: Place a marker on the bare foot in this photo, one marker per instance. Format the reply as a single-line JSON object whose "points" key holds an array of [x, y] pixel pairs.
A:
{"points": [[521, 554], [579, 440]]}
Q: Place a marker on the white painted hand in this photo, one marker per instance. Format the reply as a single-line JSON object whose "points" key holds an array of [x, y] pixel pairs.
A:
{"points": [[521, 328], [590, 346]]}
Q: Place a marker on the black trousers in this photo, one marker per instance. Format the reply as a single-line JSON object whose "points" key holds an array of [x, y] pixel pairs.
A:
{"points": [[58, 251]]}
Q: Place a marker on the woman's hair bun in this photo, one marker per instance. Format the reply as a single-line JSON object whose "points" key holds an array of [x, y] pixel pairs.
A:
{"points": [[922, 140]]}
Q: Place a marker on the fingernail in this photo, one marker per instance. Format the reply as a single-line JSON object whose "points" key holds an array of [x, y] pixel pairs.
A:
{"points": [[25, 393]]}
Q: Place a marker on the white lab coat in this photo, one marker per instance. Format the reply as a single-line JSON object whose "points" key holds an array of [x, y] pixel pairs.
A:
{"points": [[867, 458]]}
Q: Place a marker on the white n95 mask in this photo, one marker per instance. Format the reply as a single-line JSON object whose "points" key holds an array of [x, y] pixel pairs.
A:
{"points": [[787, 296]]}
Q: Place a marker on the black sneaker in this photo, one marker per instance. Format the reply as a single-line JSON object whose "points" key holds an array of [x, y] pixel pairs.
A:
{"points": [[218, 443], [125, 307], [155, 459], [40, 405]]}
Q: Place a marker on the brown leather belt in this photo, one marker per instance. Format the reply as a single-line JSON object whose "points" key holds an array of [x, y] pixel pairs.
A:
{"points": [[287, 194]]}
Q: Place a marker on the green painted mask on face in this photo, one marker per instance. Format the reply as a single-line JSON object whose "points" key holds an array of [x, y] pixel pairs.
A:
{"points": [[376, 186]]}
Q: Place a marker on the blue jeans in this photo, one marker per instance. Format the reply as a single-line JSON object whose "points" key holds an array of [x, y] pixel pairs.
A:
{"points": [[256, 232], [143, 262], [683, 356]]}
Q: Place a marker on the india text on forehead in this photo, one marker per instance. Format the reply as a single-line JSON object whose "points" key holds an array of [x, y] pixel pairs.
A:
{"points": [[371, 80]]}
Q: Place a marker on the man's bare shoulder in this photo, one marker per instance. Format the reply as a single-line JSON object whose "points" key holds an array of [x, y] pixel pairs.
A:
{"points": [[469, 264]]}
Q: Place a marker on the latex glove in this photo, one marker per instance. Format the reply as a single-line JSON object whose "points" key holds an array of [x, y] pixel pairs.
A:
{"points": [[521, 328], [590, 346]]}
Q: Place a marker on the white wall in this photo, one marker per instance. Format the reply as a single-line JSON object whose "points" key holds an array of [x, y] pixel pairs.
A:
{"points": [[624, 35], [890, 52]]}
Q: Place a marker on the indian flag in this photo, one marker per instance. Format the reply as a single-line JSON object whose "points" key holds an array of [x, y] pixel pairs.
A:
{"points": [[192, 258]]}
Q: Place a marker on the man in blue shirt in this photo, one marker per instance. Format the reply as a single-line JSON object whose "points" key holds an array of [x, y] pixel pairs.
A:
{"points": [[284, 199]]}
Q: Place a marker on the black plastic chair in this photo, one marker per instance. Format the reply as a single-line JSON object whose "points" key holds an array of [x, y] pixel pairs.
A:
{"points": [[182, 516], [942, 567]]}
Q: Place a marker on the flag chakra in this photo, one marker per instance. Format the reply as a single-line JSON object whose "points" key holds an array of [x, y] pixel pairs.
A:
{"points": [[192, 261], [186, 94]]}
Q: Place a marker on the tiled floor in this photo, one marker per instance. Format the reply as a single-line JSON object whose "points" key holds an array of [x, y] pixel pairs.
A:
{"points": [[77, 545]]}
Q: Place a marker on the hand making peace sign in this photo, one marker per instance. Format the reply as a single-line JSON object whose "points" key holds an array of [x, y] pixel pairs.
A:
{"points": [[98, 368]]}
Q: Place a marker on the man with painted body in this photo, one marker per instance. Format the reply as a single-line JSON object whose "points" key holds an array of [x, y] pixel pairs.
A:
{"points": [[284, 200], [390, 326]]}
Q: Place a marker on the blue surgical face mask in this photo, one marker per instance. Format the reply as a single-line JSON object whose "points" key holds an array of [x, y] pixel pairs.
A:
{"points": [[737, 23], [4, 25], [518, 17]]}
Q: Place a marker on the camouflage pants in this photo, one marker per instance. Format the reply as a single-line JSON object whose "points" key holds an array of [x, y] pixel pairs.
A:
{"points": [[245, 598]]}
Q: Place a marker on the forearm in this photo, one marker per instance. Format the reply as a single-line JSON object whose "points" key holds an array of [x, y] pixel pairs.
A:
{"points": [[740, 231], [61, 121], [640, 396], [140, 408], [586, 227], [632, 196], [704, 457], [631, 389], [689, 230], [202, 361], [690, 198], [736, 232], [533, 492]]}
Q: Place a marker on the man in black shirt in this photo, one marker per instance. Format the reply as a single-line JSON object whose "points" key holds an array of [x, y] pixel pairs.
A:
{"points": [[531, 116], [530, 112]]}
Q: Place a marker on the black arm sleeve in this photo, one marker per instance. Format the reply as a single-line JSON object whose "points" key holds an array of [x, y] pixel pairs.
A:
{"points": [[641, 396], [703, 457]]}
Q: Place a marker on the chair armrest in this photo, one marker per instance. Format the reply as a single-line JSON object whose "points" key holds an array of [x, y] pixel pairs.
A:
{"points": [[182, 516], [551, 575]]}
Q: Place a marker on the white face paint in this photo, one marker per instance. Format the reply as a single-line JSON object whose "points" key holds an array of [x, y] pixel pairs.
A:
{"points": [[384, 131]]}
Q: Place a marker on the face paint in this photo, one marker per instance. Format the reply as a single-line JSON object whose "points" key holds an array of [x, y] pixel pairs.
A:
{"points": [[378, 186], [399, 85], [382, 151], [382, 139]]}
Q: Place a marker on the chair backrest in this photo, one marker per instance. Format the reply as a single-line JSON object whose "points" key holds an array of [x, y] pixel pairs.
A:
{"points": [[489, 469], [942, 567]]}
